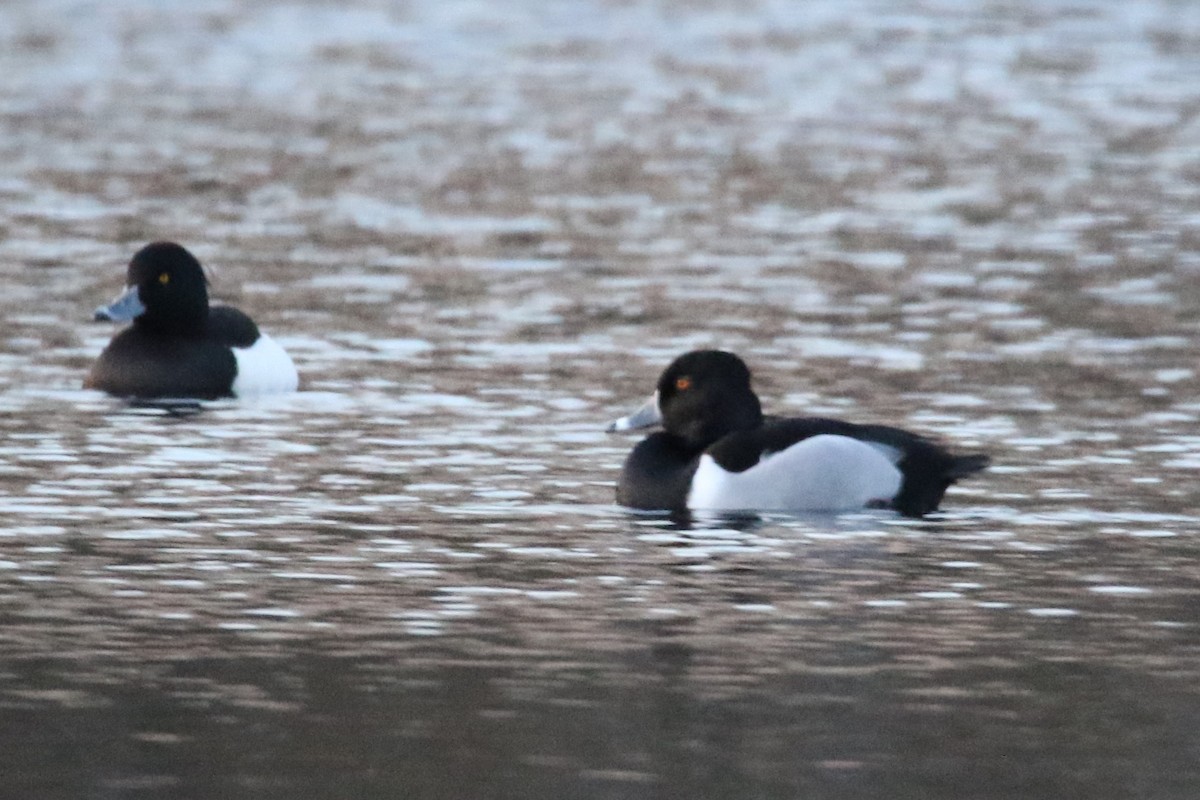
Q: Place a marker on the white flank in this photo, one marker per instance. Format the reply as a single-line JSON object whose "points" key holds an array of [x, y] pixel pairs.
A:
{"points": [[263, 368], [821, 473]]}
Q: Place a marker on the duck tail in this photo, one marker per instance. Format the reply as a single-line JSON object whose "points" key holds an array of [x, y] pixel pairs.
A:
{"points": [[963, 466], [928, 472]]}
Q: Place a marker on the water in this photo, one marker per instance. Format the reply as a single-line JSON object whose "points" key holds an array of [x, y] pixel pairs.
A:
{"points": [[481, 232]]}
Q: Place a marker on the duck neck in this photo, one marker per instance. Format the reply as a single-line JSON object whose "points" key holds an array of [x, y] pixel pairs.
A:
{"points": [[728, 415], [176, 321]]}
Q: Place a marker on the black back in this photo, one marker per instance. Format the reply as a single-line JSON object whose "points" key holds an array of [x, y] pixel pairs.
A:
{"points": [[230, 327]]}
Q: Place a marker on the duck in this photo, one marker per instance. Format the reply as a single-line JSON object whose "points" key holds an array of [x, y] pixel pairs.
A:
{"points": [[179, 346], [717, 452]]}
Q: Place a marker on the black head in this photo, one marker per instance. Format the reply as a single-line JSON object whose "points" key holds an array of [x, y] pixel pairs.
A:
{"points": [[705, 395], [171, 286]]}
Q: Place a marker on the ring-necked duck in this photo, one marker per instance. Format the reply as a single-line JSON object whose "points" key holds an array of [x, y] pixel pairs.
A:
{"points": [[179, 346], [718, 452]]}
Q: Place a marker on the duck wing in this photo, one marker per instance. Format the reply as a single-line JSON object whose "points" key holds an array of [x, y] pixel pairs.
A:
{"points": [[927, 467]]}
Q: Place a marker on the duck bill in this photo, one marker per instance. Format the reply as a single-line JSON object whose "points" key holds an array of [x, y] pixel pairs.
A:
{"points": [[647, 416], [126, 307]]}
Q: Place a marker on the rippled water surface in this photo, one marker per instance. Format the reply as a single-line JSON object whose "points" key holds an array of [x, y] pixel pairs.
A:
{"points": [[481, 230]]}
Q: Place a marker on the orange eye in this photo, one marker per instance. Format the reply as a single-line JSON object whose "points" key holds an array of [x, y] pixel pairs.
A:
{"points": [[164, 278], [683, 384]]}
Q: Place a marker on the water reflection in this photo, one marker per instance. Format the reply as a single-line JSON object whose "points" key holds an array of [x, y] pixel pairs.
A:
{"points": [[839, 667]]}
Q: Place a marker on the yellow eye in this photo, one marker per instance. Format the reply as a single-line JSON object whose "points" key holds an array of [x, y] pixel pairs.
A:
{"points": [[683, 384], [164, 278]]}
